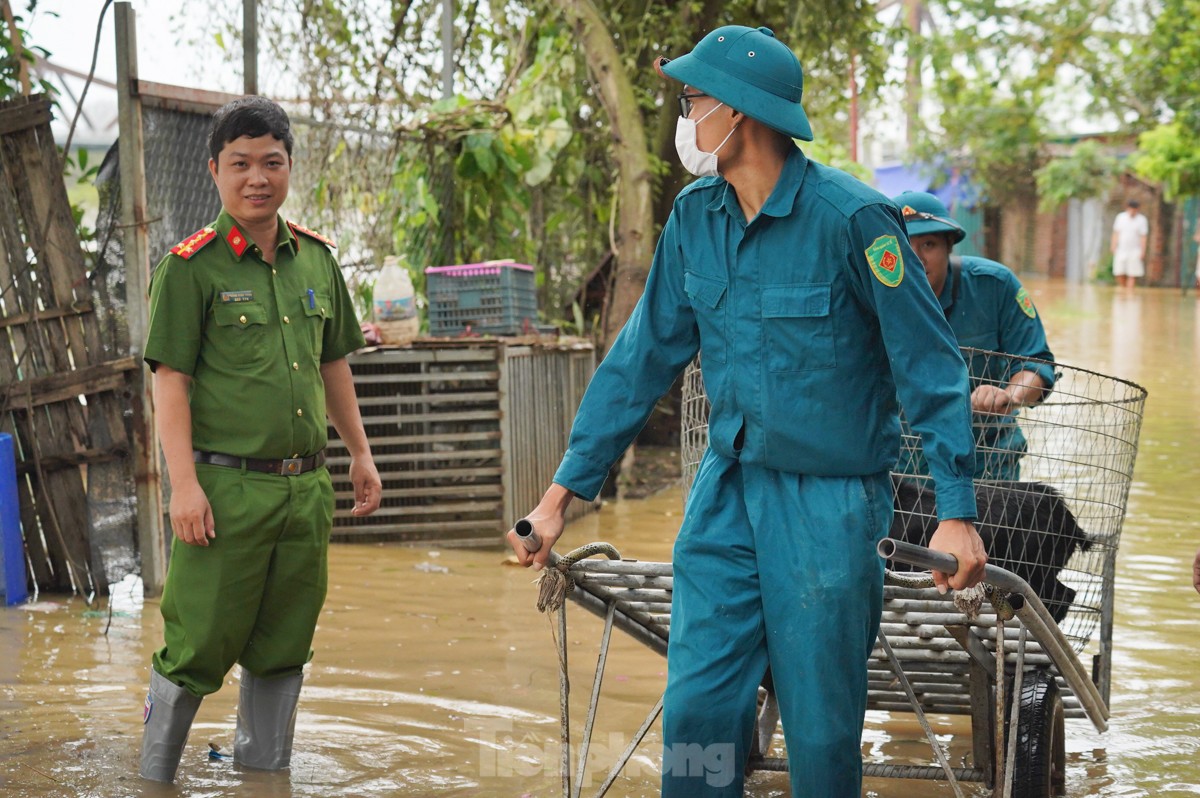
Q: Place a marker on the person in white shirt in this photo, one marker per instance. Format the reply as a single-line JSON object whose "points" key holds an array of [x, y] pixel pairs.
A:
{"points": [[1130, 233]]}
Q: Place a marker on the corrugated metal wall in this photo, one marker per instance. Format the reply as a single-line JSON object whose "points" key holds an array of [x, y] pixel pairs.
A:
{"points": [[1189, 271], [540, 393], [466, 437], [971, 220]]}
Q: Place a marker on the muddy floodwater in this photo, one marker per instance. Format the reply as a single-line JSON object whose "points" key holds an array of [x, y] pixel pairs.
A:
{"points": [[434, 675]]}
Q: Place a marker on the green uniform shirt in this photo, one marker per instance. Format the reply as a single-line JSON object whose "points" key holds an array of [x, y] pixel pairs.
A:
{"points": [[990, 309], [252, 336], [810, 319]]}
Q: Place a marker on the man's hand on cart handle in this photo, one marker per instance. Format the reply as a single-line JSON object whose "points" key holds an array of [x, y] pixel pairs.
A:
{"points": [[959, 539], [534, 536]]}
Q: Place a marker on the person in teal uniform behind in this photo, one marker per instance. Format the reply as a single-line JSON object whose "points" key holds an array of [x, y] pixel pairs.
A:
{"points": [[250, 325], [796, 284], [989, 310]]}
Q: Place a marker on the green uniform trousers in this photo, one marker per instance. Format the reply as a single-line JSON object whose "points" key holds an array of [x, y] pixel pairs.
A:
{"points": [[780, 568], [253, 595]]}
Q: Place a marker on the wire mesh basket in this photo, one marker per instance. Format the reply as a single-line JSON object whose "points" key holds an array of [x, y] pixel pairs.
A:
{"points": [[1051, 485]]}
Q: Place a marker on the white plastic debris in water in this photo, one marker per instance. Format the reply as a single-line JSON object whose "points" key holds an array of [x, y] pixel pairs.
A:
{"points": [[126, 595], [431, 568]]}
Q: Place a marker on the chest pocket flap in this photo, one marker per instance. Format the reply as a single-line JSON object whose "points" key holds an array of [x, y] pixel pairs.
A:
{"points": [[796, 301], [799, 328], [318, 306], [238, 337], [706, 295], [704, 290], [239, 314]]}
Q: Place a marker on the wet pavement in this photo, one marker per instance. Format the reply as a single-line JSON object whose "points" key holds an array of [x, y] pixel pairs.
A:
{"points": [[433, 673]]}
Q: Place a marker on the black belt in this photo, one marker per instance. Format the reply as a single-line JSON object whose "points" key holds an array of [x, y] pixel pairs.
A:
{"points": [[289, 467]]}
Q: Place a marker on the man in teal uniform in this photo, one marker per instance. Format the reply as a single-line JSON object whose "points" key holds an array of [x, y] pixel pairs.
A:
{"points": [[990, 310], [250, 325], [796, 284]]}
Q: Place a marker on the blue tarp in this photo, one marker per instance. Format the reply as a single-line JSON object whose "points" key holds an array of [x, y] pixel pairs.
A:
{"points": [[961, 198], [953, 188]]}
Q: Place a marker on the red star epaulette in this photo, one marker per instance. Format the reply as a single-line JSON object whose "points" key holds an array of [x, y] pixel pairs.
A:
{"points": [[193, 243], [311, 234]]}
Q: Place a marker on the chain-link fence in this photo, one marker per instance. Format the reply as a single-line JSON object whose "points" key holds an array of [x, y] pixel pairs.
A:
{"points": [[340, 185]]}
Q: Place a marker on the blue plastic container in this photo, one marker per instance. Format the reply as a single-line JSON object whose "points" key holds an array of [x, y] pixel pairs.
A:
{"points": [[12, 550], [497, 298]]}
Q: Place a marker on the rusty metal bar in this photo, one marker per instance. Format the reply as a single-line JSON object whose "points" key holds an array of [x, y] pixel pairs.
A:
{"points": [[586, 742], [564, 703], [1015, 713], [916, 706], [998, 727], [873, 770], [638, 736]]}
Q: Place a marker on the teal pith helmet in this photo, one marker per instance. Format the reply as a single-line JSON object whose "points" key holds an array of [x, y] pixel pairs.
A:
{"points": [[750, 71], [925, 214]]}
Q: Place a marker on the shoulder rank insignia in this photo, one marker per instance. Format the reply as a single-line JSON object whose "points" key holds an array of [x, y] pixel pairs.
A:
{"points": [[312, 234], [1026, 303], [885, 260], [237, 241], [194, 243]]}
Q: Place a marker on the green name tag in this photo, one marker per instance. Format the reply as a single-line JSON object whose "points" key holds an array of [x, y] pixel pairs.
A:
{"points": [[237, 296]]}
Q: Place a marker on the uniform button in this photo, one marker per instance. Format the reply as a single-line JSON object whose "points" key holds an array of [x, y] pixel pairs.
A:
{"points": [[286, 320], [322, 311], [274, 272], [295, 366], [295, 455], [242, 319], [299, 411]]}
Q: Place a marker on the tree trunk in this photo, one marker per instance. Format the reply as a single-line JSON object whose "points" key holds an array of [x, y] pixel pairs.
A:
{"points": [[633, 239]]}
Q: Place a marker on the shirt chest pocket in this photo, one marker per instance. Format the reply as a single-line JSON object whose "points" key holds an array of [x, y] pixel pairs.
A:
{"points": [[798, 327], [239, 334], [318, 311], [707, 296], [986, 339]]}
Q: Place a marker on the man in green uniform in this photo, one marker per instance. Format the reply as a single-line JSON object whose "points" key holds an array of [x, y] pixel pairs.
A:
{"points": [[796, 284], [989, 310], [250, 325]]}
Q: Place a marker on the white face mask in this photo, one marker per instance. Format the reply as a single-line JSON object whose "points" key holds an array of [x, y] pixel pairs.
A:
{"points": [[695, 160]]}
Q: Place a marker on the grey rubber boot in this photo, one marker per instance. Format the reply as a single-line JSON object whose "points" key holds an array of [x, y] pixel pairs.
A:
{"points": [[266, 721], [167, 719]]}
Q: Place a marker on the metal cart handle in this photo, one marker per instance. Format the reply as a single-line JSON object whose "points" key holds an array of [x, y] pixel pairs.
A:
{"points": [[529, 539], [1029, 609]]}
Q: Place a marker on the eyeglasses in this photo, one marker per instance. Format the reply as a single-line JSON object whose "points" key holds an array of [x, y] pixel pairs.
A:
{"points": [[685, 102]]}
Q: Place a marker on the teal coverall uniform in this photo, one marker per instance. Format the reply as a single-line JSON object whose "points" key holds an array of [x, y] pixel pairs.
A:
{"points": [[809, 319], [990, 310], [252, 336]]}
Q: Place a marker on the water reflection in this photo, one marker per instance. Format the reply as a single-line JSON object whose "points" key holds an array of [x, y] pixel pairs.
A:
{"points": [[434, 675]]}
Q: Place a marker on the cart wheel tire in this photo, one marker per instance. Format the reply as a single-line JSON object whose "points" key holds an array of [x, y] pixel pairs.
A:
{"points": [[1040, 768]]}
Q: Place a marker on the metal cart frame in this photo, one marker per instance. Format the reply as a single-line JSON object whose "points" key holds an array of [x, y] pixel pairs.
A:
{"points": [[931, 656]]}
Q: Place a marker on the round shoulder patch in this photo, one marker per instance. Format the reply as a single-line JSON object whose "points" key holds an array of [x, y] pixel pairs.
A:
{"points": [[885, 260], [1026, 303]]}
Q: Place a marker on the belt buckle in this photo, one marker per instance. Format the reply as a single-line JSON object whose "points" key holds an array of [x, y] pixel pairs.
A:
{"points": [[291, 466]]}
